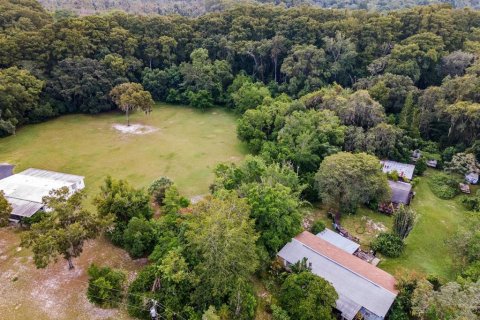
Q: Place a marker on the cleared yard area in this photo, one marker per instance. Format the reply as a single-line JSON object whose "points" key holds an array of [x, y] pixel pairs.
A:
{"points": [[179, 142], [185, 146], [426, 249], [54, 292]]}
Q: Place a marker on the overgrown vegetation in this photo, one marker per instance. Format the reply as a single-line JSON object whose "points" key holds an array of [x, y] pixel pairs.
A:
{"points": [[105, 286], [444, 186], [388, 244], [5, 210]]}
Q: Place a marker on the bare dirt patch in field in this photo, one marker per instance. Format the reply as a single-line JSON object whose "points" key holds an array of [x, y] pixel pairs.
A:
{"points": [[134, 128]]}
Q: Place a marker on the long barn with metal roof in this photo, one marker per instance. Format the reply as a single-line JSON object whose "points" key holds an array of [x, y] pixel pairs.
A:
{"points": [[362, 288], [25, 190]]}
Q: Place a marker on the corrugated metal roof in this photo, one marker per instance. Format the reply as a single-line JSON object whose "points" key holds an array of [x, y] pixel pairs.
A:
{"points": [[347, 306], [52, 175], [338, 241], [354, 279], [29, 188], [23, 208], [404, 170], [400, 191], [25, 190]]}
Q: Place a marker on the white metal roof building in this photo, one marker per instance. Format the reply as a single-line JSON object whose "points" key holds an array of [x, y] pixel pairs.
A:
{"points": [[339, 241], [404, 170], [361, 287], [25, 190]]}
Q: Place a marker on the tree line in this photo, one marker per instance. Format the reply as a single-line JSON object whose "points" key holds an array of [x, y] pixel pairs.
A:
{"points": [[420, 64], [198, 7]]}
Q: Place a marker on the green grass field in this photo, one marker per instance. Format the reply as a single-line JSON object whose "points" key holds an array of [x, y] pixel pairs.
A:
{"points": [[186, 147]]}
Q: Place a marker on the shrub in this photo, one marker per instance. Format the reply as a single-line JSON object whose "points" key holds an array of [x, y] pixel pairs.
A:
{"points": [[157, 189], [448, 154], [318, 226], [5, 210], [393, 175], [443, 186], [470, 273], [278, 313], [105, 286], [415, 181], [202, 99], [173, 201], [471, 203], [388, 244], [139, 237], [420, 166]]}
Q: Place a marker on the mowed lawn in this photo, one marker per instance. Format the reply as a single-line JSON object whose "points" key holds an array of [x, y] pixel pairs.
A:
{"points": [[427, 250], [186, 147]]}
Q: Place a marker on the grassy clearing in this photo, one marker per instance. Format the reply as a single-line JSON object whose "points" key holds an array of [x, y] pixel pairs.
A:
{"points": [[186, 147], [426, 250]]}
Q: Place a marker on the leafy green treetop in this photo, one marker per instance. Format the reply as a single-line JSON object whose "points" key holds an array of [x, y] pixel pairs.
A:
{"points": [[346, 180], [306, 296], [130, 97], [64, 229], [222, 237], [5, 210]]}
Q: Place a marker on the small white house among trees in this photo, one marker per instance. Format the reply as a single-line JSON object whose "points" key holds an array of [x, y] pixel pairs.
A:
{"points": [[25, 190]]}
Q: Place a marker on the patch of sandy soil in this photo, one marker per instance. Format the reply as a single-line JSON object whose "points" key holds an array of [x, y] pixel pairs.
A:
{"points": [[372, 226], [55, 292], [134, 128]]}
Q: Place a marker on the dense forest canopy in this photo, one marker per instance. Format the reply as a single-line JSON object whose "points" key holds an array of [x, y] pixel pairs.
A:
{"points": [[199, 7], [417, 68]]}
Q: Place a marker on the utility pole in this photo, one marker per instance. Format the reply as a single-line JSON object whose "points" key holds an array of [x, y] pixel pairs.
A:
{"points": [[153, 310]]}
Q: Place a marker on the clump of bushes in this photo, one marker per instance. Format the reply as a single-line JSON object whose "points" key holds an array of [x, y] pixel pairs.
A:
{"points": [[393, 175], [317, 226], [5, 210], [105, 286], [174, 201], [443, 186], [157, 189], [420, 166], [388, 244], [139, 237], [471, 203]]}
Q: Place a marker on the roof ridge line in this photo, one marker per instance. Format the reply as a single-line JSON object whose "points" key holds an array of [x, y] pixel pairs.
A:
{"points": [[341, 265], [22, 199]]}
